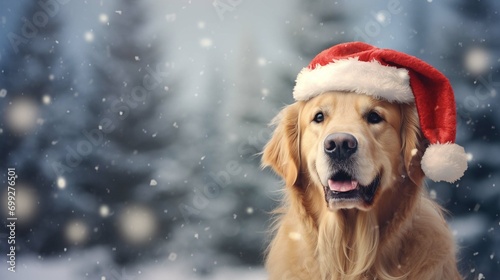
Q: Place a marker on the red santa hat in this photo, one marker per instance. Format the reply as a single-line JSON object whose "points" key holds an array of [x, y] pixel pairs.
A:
{"points": [[396, 77]]}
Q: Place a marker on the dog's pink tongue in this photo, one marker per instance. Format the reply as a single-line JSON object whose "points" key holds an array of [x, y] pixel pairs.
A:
{"points": [[342, 186]]}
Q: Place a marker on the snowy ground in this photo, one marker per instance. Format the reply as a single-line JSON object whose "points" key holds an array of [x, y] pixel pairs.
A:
{"points": [[96, 264]]}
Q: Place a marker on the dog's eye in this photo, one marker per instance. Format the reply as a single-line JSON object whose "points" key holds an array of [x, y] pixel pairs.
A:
{"points": [[374, 117], [319, 117]]}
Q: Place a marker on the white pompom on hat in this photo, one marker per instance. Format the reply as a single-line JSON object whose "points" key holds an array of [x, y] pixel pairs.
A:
{"points": [[396, 77]]}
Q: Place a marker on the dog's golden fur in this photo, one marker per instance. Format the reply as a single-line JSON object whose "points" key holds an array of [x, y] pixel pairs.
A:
{"points": [[400, 235]]}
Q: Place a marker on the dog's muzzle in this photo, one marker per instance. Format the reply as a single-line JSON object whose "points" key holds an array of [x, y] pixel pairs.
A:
{"points": [[342, 187]]}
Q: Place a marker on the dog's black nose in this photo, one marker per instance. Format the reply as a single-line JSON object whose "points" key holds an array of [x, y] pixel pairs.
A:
{"points": [[340, 146]]}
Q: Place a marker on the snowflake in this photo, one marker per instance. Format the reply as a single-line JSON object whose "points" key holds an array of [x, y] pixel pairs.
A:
{"points": [[104, 210], [88, 36], [22, 115], [477, 60], [261, 61], [103, 18], [46, 99], [76, 231], [206, 42], [61, 183]]}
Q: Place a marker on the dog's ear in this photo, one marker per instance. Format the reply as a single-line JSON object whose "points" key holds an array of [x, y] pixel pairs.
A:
{"points": [[412, 143], [282, 152]]}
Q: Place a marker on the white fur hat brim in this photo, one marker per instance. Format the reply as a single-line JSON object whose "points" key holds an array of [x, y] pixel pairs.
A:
{"points": [[352, 75]]}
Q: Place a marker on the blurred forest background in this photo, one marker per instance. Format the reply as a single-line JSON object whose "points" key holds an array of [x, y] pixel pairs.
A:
{"points": [[135, 126]]}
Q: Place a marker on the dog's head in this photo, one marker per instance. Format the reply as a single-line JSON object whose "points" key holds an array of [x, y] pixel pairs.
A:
{"points": [[350, 147]]}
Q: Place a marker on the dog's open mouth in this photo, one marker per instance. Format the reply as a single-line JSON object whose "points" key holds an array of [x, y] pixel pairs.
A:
{"points": [[343, 189]]}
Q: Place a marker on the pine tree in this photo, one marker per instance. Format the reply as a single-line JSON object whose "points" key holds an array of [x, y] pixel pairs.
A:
{"points": [[225, 217], [130, 93], [321, 24], [116, 152], [469, 60], [248, 111], [34, 76]]}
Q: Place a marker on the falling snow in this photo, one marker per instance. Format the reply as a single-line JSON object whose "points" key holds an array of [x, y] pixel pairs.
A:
{"points": [[76, 232], [381, 17], [88, 36], [104, 210], [103, 18], [206, 42], [477, 61], [61, 182], [261, 61], [22, 114], [137, 224], [46, 99]]}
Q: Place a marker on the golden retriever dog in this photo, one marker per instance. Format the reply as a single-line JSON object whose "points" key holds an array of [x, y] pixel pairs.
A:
{"points": [[355, 206]]}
